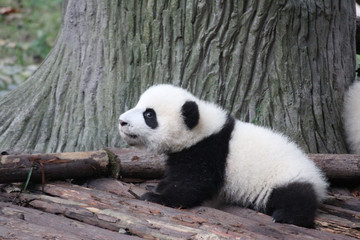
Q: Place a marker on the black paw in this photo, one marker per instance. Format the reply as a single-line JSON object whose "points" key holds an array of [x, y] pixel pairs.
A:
{"points": [[281, 216], [152, 197]]}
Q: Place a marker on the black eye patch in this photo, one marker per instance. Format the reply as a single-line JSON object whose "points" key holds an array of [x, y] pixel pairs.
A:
{"points": [[150, 118]]}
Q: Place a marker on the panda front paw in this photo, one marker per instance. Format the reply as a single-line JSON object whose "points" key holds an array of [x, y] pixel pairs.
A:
{"points": [[281, 216], [152, 197]]}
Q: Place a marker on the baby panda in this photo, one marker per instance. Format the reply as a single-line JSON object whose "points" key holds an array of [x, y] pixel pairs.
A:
{"points": [[352, 117], [211, 155]]}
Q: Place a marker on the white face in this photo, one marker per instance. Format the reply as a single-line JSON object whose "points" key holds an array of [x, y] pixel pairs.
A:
{"points": [[156, 122]]}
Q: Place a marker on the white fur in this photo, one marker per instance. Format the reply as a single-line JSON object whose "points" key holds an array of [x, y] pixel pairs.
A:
{"points": [[259, 159], [352, 117]]}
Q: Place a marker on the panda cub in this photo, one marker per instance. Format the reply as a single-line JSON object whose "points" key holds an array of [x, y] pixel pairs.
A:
{"points": [[352, 117], [212, 155]]}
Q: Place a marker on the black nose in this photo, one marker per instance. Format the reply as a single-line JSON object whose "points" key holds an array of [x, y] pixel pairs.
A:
{"points": [[122, 123]]}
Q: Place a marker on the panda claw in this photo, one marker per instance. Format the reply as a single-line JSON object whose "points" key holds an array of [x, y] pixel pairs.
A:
{"points": [[152, 197]]}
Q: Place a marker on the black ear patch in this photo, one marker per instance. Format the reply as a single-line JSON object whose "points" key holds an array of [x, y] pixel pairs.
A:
{"points": [[190, 112]]}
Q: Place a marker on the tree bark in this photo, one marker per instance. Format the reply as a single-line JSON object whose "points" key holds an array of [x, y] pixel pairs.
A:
{"points": [[124, 163], [139, 164], [118, 211], [59, 166], [123, 213], [357, 38], [26, 223], [283, 64], [339, 167]]}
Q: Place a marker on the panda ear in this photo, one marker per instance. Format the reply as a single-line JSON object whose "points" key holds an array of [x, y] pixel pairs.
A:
{"points": [[190, 112]]}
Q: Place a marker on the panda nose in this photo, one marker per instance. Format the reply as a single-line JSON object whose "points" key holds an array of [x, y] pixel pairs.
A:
{"points": [[122, 123]]}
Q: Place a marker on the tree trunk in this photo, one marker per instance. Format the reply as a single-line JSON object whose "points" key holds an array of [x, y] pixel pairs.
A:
{"points": [[283, 64]]}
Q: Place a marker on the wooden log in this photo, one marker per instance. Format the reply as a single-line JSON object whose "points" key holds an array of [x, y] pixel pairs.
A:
{"points": [[136, 163], [16, 168], [339, 167], [18, 221], [140, 164], [329, 218], [119, 188], [338, 220], [143, 219], [132, 163], [339, 214], [151, 221], [133, 216]]}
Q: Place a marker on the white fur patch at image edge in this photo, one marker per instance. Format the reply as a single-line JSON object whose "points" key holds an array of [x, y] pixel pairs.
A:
{"points": [[352, 117]]}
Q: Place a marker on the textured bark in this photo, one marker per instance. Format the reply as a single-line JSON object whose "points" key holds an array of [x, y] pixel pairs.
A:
{"points": [[118, 211], [135, 164], [357, 37], [124, 163], [283, 64], [25, 223], [139, 164], [339, 167], [60, 166]]}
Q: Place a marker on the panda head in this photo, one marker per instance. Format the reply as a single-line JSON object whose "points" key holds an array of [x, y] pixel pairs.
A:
{"points": [[162, 120], [168, 119]]}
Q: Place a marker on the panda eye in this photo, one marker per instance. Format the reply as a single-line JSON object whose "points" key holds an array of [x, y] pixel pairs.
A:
{"points": [[150, 118], [149, 113]]}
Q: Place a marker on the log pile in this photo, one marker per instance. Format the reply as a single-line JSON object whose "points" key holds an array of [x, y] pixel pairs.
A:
{"points": [[106, 208], [106, 204]]}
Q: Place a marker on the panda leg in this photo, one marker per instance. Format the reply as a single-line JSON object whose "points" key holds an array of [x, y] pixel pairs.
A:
{"points": [[294, 203], [180, 194]]}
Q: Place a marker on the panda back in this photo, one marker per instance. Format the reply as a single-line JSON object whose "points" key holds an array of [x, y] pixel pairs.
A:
{"points": [[260, 160]]}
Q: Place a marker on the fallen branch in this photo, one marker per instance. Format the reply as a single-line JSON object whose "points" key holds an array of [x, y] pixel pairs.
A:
{"points": [[139, 164], [131, 163], [16, 168], [338, 166]]}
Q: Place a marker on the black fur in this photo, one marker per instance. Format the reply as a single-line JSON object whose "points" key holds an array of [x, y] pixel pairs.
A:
{"points": [[195, 174], [294, 203], [190, 112], [150, 118]]}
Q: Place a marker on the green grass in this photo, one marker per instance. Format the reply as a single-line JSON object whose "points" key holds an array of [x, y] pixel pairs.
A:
{"points": [[27, 35]]}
